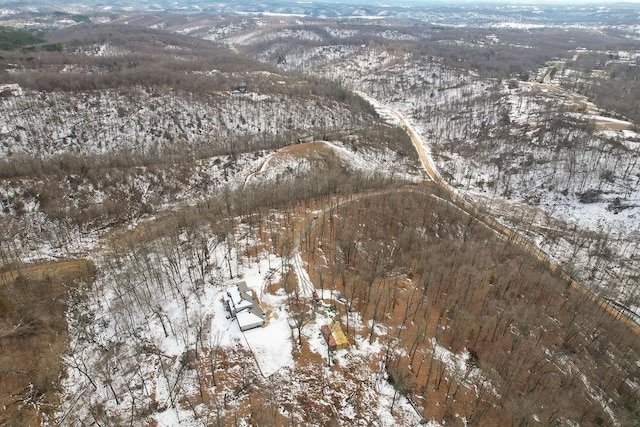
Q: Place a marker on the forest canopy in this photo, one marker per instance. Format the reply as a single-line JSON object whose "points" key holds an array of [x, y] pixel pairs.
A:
{"points": [[13, 38]]}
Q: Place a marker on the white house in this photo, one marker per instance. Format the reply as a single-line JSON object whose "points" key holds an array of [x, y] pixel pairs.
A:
{"points": [[242, 305]]}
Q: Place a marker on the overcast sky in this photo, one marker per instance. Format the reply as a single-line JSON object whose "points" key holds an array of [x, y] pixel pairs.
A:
{"points": [[524, 2]]}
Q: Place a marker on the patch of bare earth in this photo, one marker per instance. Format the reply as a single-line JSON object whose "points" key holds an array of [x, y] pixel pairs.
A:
{"points": [[315, 152]]}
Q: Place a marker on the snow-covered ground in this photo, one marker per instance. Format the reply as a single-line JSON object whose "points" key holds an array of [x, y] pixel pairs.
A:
{"points": [[151, 342], [148, 339], [152, 336], [154, 121]]}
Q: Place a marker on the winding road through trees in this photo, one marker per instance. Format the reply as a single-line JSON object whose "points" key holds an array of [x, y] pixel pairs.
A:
{"points": [[508, 233]]}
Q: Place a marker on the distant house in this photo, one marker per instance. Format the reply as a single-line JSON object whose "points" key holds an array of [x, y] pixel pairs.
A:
{"points": [[244, 307], [239, 89], [305, 139], [335, 338]]}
